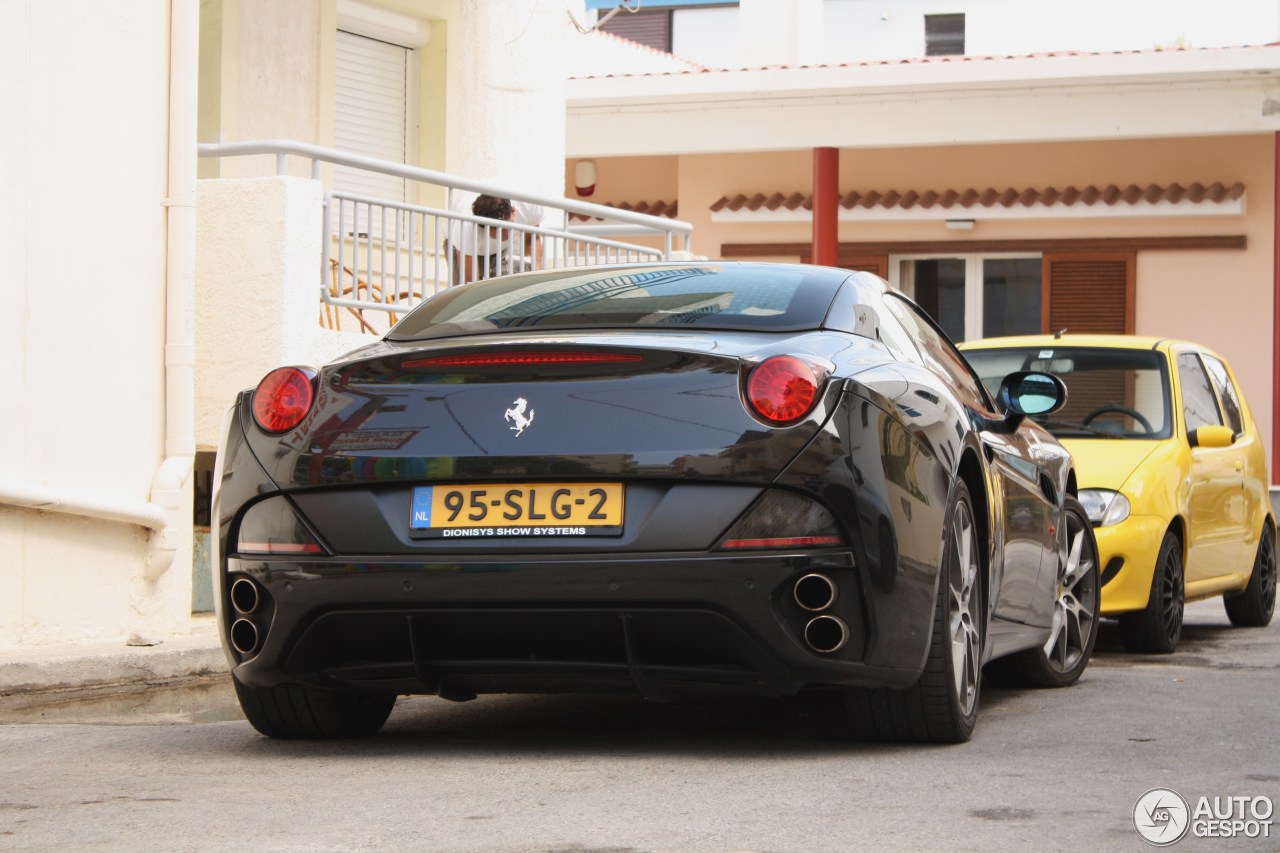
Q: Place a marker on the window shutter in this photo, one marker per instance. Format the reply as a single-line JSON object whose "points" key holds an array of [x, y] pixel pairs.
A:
{"points": [[651, 28], [944, 35], [370, 112], [1089, 292]]}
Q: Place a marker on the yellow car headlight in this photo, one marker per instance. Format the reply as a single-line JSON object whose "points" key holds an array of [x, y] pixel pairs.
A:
{"points": [[1104, 506]]}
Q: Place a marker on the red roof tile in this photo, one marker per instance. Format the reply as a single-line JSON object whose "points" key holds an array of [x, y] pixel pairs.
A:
{"points": [[1110, 195], [653, 208], [936, 60]]}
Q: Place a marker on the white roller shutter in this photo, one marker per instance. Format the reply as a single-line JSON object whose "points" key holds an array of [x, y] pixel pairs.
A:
{"points": [[371, 112]]}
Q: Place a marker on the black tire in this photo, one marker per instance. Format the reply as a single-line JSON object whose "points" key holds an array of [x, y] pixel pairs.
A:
{"points": [[1158, 627], [1062, 660], [942, 706], [295, 712], [1253, 607]]}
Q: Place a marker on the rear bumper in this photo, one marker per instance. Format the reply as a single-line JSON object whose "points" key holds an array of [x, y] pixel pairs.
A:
{"points": [[662, 624]]}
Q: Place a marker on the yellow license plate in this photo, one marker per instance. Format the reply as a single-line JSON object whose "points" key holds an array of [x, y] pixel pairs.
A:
{"points": [[530, 509]]}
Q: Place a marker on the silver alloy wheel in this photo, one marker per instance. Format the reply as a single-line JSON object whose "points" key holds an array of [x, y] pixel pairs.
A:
{"points": [[964, 611], [1073, 618]]}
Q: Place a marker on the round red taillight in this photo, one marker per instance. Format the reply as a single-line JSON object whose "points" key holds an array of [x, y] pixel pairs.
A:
{"points": [[283, 398], [782, 389]]}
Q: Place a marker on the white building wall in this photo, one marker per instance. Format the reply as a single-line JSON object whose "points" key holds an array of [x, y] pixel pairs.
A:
{"points": [[264, 61], [83, 92], [710, 36], [258, 286], [505, 114], [871, 30]]}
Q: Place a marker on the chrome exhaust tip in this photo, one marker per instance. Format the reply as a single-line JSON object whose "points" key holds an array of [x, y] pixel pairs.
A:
{"points": [[244, 596], [815, 592], [826, 634], [244, 636]]}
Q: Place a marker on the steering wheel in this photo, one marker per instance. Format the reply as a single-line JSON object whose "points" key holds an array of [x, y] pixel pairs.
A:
{"points": [[1124, 410]]}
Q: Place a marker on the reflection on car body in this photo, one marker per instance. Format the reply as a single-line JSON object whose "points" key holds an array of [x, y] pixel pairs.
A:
{"points": [[748, 478]]}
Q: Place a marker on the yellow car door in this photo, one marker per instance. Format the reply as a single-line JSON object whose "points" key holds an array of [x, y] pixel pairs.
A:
{"points": [[1215, 504], [1253, 500]]}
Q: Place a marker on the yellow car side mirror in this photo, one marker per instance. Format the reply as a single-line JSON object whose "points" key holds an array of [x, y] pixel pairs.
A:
{"points": [[1212, 436]]}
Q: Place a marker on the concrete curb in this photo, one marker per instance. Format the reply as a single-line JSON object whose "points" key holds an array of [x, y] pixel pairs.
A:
{"points": [[62, 670]]}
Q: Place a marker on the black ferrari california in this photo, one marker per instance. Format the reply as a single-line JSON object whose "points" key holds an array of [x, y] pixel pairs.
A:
{"points": [[671, 479]]}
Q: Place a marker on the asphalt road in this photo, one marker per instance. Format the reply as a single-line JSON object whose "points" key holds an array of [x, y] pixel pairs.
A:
{"points": [[1046, 770]]}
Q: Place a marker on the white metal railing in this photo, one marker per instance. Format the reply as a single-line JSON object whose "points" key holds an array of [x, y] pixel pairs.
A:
{"points": [[387, 256]]}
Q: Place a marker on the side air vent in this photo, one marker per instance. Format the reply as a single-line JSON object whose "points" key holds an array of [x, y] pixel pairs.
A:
{"points": [[1047, 487]]}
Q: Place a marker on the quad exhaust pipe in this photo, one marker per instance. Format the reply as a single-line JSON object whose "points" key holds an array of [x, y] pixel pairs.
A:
{"points": [[244, 596], [823, 633], [246, 599], [244, 636], [815, 592], [826, 634]]}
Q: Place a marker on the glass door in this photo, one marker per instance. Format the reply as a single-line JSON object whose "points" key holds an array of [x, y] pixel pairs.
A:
{"points": [[1011, 297], [973, 296]]}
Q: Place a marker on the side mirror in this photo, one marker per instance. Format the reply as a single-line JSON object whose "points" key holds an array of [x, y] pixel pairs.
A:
{"points": [[1212, 436], [1029, 393]]}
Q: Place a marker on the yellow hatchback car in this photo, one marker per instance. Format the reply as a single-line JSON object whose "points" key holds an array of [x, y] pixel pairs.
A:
{"points": [[1172, 472]]}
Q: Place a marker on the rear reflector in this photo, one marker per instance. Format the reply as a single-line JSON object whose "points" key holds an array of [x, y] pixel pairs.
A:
{"points": [[273, 527], [782, 519], [279, 548], [490, 359], [783, 542]]}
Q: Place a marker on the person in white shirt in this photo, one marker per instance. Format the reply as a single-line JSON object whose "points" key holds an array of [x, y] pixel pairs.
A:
{"points": [[480, 252]]}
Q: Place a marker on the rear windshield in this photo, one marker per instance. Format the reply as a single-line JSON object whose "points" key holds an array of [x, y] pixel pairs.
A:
{"points": [[750, 297], [1111, 393]]}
